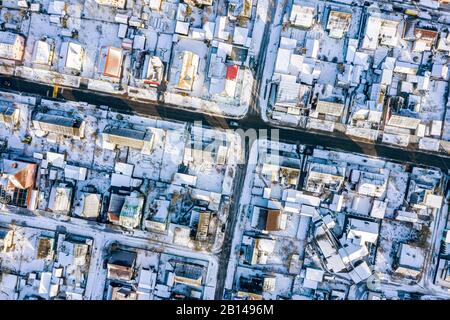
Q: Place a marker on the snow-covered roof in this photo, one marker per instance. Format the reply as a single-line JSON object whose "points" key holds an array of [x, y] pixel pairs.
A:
{"points": [[60, 199], [184, 179], [302, 16], [378, 209], [433, 201], [365, 231], [43, 52], [410, 257], [360, 273], [74, 172], [11, 45], [240, 35], [74, 55]]}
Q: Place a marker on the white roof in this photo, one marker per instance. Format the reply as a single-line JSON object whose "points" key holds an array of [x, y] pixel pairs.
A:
{"points": [[406, 67], [408, 216], [57, 7], [307, 210], [120, 180], [184, 179], [139, 42], [351, 252], [378, 209], [124, 168], [76, 173], [220, 30], [60, 199], [403, 122], [433, 201], [56, 159], [411, 257], [44, 284], [314, 274], [291, 207], [283, 61], [182, 28], [240, 35], [74, 56], [366, 231], [297, 196], [360, 273], [209, 26], [302, 16], [335, 263], [312, 48], [42, 52], [436, 127], [386, 76]]}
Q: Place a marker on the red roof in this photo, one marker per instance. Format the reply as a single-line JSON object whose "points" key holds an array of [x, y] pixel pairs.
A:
{"points": [[232, 72]]}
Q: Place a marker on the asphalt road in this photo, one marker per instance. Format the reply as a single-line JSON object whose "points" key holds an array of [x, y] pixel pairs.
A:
{"points": [[251, 121]]}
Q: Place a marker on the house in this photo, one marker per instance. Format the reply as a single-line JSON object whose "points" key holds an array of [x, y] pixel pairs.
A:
{"points": [[185, 76], [45, 248], [372, 184], [43, 52], [204, 219], [121, 265], [159, 214], [338, 23], [292, 97], [409, 260], [378, 209], [425, 39], [312, 48], [250, 287], [154, 72], [380, 31], [322, 176], [113, 63], [119, 4], [351, 252], [116, 202], [257, 249], [119, 292], [60, 200], [240, 8], [302, 16], [189, 274], [330, 109], [146, 283], [362, 231], [195, 3], [276, 220], [240, 36], [12, 46], [73, 54], [9, 114], [131, 212], [182, 179], [408, 216], [91, 205], [360, 273], [132, 138], [19, 181], [312, 278], [59, 125], [75, 173]]}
